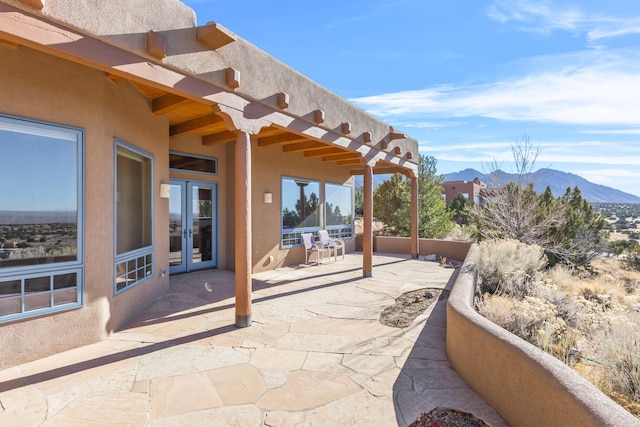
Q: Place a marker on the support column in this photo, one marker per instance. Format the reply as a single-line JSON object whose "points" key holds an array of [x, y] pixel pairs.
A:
{"points": [[415, 218], [243, 262], [367, 242]]}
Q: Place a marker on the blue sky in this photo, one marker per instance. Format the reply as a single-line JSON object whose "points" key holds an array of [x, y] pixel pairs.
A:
{"points": [[468, 78]]}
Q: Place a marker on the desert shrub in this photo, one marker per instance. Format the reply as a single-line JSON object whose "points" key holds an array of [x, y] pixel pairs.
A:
{"points": [[533, 319], [461, 234], [498, 309], [40, 251], [563, 277], [619, 346], [507, 266]]}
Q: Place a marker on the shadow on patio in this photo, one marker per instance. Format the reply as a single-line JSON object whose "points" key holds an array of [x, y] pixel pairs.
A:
{"points": [[316, 354]]}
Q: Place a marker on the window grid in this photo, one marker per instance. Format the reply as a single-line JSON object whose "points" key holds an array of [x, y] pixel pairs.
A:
{"points": [[20, 296], [49, 279], [340, 231], [133, 269], [293, 237]]}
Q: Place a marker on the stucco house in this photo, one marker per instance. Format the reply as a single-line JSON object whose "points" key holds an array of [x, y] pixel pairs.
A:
{"points": [[141, 145], [475, 190]]}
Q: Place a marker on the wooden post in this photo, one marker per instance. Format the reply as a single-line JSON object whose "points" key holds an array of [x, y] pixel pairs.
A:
{"points": [[243, 262], [415, 218], [367, 242]]}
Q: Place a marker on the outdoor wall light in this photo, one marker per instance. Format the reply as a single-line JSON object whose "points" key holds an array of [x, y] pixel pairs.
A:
{"points": [[165, 191], [267, 198]]}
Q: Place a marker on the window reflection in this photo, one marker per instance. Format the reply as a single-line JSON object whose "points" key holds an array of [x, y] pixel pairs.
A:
{"points": [[338, 204], [39, 209], [300, 203], [40, 218]]}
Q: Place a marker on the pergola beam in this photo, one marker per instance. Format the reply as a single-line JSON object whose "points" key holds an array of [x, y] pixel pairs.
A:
{"points": [[195, 124], [323, 152], [336, 157], [303, 146], [218, 138], [282, 139], [168, 103]]}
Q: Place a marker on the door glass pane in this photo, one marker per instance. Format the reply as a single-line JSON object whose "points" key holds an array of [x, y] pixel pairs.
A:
{"points": [[201, 225], [175, 225]]}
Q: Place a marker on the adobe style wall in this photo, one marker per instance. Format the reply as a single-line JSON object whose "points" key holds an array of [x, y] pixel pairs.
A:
{"points": [[125, 23], [441, 248], [269, 166], [527, 386], [40, 87]]}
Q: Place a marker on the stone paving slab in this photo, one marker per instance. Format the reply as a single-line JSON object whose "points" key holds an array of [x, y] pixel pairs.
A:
{"points": [[315, 355]]}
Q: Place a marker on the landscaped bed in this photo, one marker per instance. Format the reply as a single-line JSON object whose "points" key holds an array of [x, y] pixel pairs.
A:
{"points": [[587, 318]]}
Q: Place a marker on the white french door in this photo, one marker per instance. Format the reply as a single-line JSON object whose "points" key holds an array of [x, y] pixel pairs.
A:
{"points": [[193, 235]]}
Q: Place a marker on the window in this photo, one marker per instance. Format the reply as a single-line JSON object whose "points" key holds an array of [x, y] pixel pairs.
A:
{"points": [[134, 216], [41, 228], [338, 208], [300, 209], [193, 163]]}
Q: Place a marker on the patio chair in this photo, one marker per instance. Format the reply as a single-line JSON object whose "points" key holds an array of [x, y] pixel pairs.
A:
{"points": [[331, 244], [311, 247]]}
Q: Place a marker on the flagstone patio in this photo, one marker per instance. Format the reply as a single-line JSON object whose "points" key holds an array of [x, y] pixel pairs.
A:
{"points": [[316, 355]]}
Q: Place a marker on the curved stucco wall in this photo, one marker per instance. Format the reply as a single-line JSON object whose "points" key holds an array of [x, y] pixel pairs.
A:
{"points": [[37, 86], [527, 386]]}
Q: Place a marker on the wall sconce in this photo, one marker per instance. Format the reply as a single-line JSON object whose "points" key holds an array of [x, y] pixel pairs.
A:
{"points": [[165, 191], [267, 198]]}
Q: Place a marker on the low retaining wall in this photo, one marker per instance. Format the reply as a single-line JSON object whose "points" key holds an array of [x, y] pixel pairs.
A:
{"points": [[402, 245], [527, 386]]}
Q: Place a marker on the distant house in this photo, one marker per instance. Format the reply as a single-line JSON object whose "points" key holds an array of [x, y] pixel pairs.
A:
{"points": [[475, 190], [171, 148]]}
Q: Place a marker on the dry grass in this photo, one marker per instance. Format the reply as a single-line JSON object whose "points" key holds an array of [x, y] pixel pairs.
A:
{"points": [[508, 266], [589, 319]]}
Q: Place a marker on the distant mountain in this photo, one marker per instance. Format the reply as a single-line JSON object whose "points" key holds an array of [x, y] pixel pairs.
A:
{"points": [[556, 180], [37, 217]]}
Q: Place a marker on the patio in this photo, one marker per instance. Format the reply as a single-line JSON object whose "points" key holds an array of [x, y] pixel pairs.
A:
{"points": [[316, 355]]}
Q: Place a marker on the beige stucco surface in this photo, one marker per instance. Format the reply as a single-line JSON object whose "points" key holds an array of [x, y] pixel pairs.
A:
{"points": [[40, 87], [527, 386], [441, 248], [267, 177]]}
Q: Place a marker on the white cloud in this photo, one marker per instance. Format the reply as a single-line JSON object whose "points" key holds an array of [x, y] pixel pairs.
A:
{"points": [[539, 16], [547, 16], [587, 89], [613, 132]]}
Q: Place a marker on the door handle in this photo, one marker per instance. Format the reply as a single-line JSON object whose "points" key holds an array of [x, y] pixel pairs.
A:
{"points": [[190, 233]]}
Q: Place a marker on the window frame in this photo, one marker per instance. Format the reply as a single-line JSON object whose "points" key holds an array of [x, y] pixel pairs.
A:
{"points": [[26, 272], [294, 235], [146, 252], [340, 231], [197, 156]]}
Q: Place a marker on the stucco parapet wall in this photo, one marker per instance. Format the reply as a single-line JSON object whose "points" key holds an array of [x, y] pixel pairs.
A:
{"points": [[527, 386], [125, 23]]}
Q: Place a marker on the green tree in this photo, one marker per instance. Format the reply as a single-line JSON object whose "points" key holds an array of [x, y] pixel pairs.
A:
{"points": [[568, 228], [579, 236], [359, 201], [434, 217], [388, 200], [459, 208], [392, 203]]}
